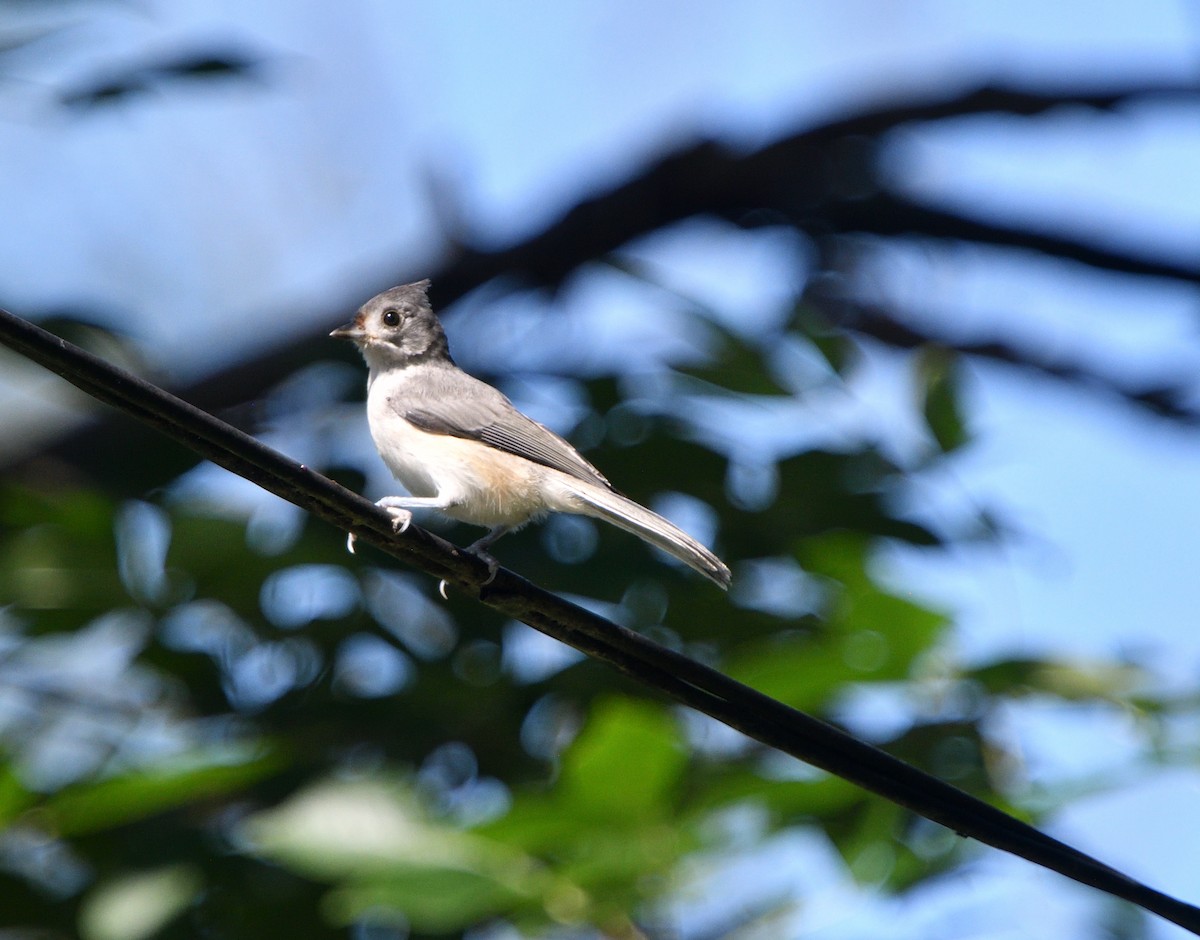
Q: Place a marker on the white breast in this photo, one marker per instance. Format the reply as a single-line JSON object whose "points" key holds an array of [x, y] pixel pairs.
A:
{"points": [[479, 484]]}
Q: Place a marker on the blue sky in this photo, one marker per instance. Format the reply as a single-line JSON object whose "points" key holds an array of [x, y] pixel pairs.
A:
{"points": [[324, 181]]}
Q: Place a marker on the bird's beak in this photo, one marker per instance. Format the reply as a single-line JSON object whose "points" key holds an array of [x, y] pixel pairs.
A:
{"points": [[351, 331]]}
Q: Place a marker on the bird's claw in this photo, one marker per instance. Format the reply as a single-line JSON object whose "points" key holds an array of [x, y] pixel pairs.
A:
{"points": [[401, 519], [493, 567]]}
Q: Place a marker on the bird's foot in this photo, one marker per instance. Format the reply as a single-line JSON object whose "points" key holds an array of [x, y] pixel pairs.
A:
{"points": [[478, 549], [401, 520]]}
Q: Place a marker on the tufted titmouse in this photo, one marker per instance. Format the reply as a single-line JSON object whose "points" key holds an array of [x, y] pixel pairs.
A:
{"points": [[460, 446]]}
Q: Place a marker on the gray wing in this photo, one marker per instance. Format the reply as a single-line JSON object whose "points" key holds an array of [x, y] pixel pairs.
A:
{"points": [[459, 405]]}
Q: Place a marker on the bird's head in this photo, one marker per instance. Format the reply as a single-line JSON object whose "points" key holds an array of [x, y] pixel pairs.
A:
{"points": [[397, 327]]}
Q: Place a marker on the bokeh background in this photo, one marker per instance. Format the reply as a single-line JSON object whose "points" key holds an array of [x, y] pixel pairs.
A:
{"points": [[892, 304]]}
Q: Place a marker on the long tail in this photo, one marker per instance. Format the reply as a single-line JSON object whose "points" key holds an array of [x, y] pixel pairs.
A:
{"points": [[589, 500]]}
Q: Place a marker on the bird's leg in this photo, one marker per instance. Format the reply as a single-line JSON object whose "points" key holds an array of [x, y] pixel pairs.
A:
{"points": [[400, 509], [479, 549]]}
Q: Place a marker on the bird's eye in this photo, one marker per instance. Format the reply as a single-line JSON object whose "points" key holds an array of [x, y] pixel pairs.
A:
{"points": [[391, 318]]}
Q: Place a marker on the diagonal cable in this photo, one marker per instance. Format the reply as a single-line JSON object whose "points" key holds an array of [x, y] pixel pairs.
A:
{"points": [[673, 674]]}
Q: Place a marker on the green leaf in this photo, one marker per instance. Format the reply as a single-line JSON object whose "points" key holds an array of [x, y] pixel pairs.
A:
{"points": [[625, 764], [373, 840], [799, 670], [14, 798], [138, 905], [735, 366], [868, 634], [938, 379], [831, 342], [1067, 679], [103, 804], [431, 899], [788, 801]]}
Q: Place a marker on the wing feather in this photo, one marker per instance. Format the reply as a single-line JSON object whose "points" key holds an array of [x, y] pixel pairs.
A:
{"points": [[482, 413]]}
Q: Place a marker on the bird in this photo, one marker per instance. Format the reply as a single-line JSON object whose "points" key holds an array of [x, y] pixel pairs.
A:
{"points": [[461, 447]]}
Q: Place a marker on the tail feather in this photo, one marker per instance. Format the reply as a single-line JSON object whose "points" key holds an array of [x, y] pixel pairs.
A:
{"points": [[589, 500]]}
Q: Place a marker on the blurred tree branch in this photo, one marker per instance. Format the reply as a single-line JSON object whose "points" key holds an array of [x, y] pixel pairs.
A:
{"points": [[1165, 400], [679, 677], [826, 182]]}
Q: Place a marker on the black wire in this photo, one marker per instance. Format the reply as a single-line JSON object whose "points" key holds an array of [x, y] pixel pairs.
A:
{"points": [[673, 674]]}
